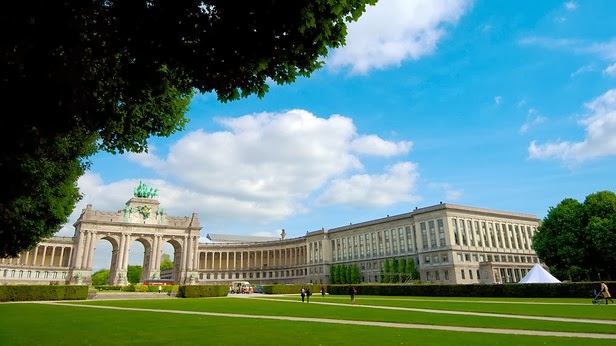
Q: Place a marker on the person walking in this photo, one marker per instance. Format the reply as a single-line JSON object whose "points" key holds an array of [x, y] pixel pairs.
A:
{"points": [[606, 293], [308, 294], [160, 288], [352, 293], [323, 291], [303, 293]]}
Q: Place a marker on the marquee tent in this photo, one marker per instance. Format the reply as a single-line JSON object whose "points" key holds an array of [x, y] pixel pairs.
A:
{"points": [[538, 275]]}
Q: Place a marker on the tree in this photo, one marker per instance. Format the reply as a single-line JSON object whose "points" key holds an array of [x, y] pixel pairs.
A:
{"points": [[576, 238], [100, 277], [108, 75], [343, 274], [395, 271], [386, 271], [402, 265], [133, 274], [411, 270], [334, 276], [165, 262], [355, 274]]}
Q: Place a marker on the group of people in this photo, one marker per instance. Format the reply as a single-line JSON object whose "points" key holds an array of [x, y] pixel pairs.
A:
{"points": [[306, 293]]}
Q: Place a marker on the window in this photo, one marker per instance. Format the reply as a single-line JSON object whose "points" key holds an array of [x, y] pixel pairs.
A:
{"points": [[444, 258], [459, 257], [436, 275], [470, 274], [498, 235], [441, 232], [474, 257], [432, 234], [471, 237], [491, 231], [478, 276], [479, 243], [454, 228], [463, 233], [427, 259], [467, 257], [409, 244], [424, 235], [462, 274], [446, 272]]}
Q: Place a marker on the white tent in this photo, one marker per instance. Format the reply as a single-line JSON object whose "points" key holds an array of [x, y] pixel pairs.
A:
{"points": [[538, 275]]}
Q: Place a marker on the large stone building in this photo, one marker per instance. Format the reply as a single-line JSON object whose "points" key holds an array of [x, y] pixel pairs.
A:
{"points": [[450, 244]]}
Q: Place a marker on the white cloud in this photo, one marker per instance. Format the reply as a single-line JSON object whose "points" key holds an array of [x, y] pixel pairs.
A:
{"points": [[583, 69], [261, 168], [374, 145], [498, 99], [365, 191], [396, 30], [532, 119], [610, 70], [570, 5], [600, 141]]}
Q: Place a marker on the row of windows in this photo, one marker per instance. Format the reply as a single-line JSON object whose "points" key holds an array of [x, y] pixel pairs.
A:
{"points": [[467, 257], [28, 274], [489, 234], [380, 243], [255, 275]]}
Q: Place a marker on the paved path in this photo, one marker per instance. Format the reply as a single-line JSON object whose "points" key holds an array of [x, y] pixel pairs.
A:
{"points": [[378, 324]]}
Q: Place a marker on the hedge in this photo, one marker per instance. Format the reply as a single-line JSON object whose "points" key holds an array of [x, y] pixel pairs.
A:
{"points": [[14, 293], [200, 291]]}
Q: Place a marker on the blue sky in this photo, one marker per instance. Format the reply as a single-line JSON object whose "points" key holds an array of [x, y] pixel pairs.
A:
{"points": [[508, 105]]}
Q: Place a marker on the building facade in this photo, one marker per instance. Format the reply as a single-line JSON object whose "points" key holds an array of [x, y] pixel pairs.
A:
{"points": [[450, 244]]}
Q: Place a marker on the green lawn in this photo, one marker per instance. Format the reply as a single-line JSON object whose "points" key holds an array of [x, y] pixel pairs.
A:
{"points": [[39, 324]]}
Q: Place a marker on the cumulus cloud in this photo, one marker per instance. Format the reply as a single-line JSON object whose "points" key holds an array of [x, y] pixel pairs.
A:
{"points": [[396, 30], [364, 191], [600, 126], [260, 168]]}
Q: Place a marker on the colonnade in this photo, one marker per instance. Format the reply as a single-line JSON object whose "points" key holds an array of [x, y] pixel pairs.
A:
{"points": [[251, 259]]}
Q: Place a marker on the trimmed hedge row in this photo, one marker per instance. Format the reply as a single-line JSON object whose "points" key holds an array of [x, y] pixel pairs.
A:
{"points": [[514, 290], [15, 293], [200, 291]]}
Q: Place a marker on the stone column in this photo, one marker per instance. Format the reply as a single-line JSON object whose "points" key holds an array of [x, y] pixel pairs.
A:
{"points": [[79, 247], [91, 251], [62, 256]]}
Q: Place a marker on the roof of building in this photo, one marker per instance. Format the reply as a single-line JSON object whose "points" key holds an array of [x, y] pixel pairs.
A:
{"points": [[234, 238]]}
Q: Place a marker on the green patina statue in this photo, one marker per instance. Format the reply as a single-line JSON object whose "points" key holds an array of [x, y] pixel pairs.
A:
{"points": [[144, 191]]}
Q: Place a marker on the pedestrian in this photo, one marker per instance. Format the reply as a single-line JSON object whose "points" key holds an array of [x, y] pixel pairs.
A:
{"points": [[160, 288], [308, 294], [606, 293], [303, 293], [352, 293], [323, 291]]}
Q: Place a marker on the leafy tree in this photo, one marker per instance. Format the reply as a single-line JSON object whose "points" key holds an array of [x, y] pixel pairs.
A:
{"points": [[355, 274], [411, 270], [402, 266], [387, 271], [110, 74], [334, 277], [349, 274], [343, 274], [395, 271], [133, 274], [100, 277], [165, 262], [577, 239]]}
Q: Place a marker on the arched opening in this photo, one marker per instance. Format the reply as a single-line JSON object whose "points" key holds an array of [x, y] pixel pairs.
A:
{"points": [[105, 261]]}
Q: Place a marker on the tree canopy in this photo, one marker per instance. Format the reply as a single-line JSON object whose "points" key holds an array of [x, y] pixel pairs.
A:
{"points": [[165, 262], [577, 240], [108, 75]]}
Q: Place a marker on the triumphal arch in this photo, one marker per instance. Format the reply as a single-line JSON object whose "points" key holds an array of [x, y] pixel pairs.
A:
{"points": [[142, 220]]}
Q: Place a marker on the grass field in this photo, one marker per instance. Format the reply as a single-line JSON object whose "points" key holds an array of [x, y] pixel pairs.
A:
{"points": [[274, 320]]}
